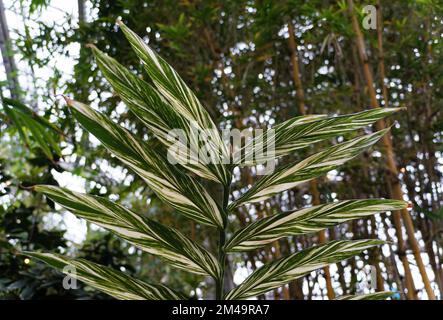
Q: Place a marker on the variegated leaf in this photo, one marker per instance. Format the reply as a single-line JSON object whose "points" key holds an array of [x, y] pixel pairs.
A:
{"points": [[146, 234], [301, 132], [369, 296], [181, 98], [307, 220], [168, 182], [160, 118], [291, 175], [112, 282], [282, 271]]}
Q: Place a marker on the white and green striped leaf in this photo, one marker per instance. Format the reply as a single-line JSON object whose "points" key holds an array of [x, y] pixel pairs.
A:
{"points": [[369, 296], [167, 181], [112, 282], [307, 220], [282, 271], [161, 118], [301, 132], [171, 86], [291, 175], [146, 234]]}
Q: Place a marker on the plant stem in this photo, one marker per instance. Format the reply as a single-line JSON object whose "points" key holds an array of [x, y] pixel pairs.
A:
{"points": [[221, 260], [219, 283]]}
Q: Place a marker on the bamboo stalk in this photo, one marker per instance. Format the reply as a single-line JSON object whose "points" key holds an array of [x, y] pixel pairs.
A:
{"points": [[302, 110], [392, 166], [8, 57]]}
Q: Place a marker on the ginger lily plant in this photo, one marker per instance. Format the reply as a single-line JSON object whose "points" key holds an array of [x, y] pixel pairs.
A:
{"points": [[166, 103]]}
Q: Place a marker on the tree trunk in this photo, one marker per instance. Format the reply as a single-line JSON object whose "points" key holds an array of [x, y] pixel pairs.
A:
{"points": [[392, 178], [81, 11], [8, 56], [302, 110]]}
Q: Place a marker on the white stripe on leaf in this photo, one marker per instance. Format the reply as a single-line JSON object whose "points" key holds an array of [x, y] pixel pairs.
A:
{"points": [[170, 184], [180, 97], [110, 281], [291, 175], [147, 234], [383, 295], [301, 132], [161, 118], [307, 220], [287, 269]]}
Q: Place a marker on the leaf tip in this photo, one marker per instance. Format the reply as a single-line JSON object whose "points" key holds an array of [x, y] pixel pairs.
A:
{"points": [[90, 46], [30, 188], [119, 21], [68, 100], [396, 109]]}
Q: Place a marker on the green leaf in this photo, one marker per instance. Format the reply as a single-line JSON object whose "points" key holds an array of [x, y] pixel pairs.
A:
{"points": [[20, 107], [18, 124], [301, 132], [287, 269], [161, 118], [291, 175], [170, 184], [28, 122], [307, 220], [171, 86], [146, 234], [112, 282], [370, 296], [43, 139], [437, 215]]}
